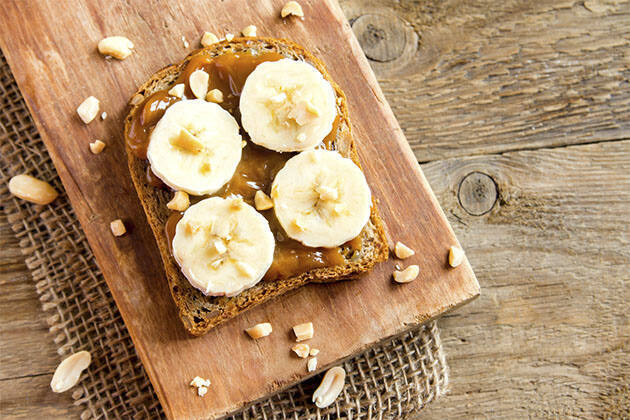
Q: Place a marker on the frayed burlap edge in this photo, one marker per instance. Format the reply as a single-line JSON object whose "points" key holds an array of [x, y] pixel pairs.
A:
{"points": [[388, 381]]}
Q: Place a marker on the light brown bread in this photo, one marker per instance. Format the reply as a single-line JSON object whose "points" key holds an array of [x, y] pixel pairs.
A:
{"points": [[198, 312]]}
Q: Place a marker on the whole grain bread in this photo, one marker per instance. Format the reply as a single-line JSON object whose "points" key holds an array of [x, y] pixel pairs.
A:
{"points": [[198, 312]]}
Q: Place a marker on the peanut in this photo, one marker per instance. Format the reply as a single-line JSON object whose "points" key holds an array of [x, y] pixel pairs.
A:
{"points": [[330, 388], [32, 189]]}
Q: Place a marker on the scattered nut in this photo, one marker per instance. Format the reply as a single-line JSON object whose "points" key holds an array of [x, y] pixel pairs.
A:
{"points": [[408, 274], [199, 381], [229, 37], [97, 147], [88, 109], [249, 30], [32, 189], [208, 38], [330, 388], [215, 95], [243, 144], [177, 90], [301, 350], [116, 46], [69, 370], [292, 8], [311, 365], [103, 115], [198, 82], [184, 42], [180, 201], [303, 331], [314, 352], [402, 251], [259, 330], [455, 256], [118, 227], [262, 201], [202, 390]]}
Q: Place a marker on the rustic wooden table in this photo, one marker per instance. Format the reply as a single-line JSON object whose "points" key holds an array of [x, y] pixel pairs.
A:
{"points": [[519, 112]]}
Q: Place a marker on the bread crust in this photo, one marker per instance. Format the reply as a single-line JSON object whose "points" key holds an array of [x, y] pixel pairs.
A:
{"points": [[200, 313]]}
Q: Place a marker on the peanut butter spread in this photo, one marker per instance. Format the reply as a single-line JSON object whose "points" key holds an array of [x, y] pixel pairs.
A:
{"points": [[257, 168]]}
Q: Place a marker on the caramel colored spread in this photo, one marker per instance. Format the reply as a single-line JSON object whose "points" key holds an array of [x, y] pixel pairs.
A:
{"points": [[257, 168]]}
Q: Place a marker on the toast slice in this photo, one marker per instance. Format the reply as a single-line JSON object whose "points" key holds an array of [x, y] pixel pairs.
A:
{"points": [[200, 313]]}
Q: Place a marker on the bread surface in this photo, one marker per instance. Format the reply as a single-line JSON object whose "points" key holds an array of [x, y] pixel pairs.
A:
{"points": [[200, 313]]}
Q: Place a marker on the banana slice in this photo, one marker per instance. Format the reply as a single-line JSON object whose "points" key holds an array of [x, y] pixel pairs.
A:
{"points": [[195, 147], [223, 246], [287, 106], [321, 198]]}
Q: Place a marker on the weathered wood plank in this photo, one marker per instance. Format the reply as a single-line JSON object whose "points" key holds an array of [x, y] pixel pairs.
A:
{"points": [[550, 336], [483, 77]]}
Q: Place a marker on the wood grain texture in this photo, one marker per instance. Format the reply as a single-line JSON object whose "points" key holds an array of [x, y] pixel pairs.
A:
{"points": [[56, 69], [477, 77], [550, 336]]}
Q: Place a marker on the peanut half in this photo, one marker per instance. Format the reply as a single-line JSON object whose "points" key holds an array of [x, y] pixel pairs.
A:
{"points": [[198, 82], [249, 30], [97, 147], [118, 227], [88, 109], [215, 95], [330, 388], [259, 330], [455, 256], [32, 189], [407, 275], [292, 8], [311, 365], [302, 350], [208, 38], [69, 370], [402, 251], [116, 46]]}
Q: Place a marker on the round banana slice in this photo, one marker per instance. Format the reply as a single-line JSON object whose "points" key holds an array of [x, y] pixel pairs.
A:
{"points": [[287, 106], [195, 147], [321, 198], [223, 246]]}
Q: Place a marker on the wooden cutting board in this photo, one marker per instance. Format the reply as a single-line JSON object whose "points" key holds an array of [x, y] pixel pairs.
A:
{"points": [[51, 47]]}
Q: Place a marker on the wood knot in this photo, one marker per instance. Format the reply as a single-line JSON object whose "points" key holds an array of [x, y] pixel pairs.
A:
{"points": [[382, 38], [477, 193]]}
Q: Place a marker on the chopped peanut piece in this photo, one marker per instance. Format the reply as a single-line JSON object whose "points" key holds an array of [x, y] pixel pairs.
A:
{"points": [[184, 42], [88, 109], [330, 388], [202, 390], [97, 147], [249, 30], [292, 8], [311, 365], [199, 381], [118, 227], [103, 115], [180, 201], [136, 99], [32, 189], [215, 95], [198, 82], [262, 201], [303, 331], [455, 256], [116, 46], [208, 38], [186, 141], [259, 330], [301, 350], [177, 90], [408, 274], [314, 352], [402, 251], [229, 37]]}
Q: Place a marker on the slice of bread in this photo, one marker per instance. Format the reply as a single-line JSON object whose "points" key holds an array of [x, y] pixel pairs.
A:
{"points": [[198, 312]]}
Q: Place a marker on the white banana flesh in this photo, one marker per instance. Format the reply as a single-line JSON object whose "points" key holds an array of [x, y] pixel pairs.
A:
{"points": [[287, 106], [195, 147], [321, 198], [223, 246]]}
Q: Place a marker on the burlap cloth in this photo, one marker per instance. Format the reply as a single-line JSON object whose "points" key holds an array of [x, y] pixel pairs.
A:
{"points": [[389, 381]]}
